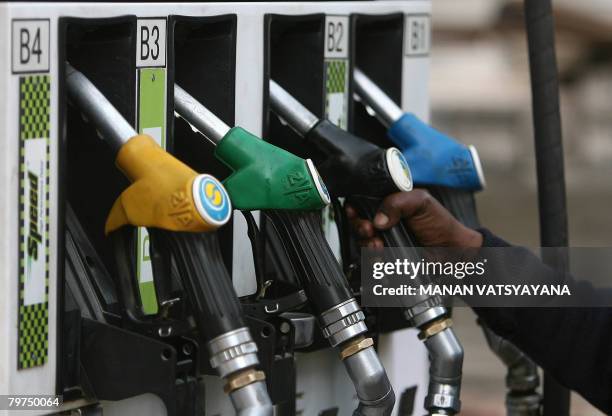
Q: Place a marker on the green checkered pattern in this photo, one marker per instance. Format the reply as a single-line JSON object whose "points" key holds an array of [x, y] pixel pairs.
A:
{"points": [[33, 337], [336, 82], [34, 107], [335, 75], [34, 123]]}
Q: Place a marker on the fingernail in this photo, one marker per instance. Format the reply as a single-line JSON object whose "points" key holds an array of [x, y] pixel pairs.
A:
{"points": [[381, 219]]}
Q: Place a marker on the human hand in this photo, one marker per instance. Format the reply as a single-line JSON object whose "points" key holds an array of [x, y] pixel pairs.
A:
{"points": [[429, 221]]}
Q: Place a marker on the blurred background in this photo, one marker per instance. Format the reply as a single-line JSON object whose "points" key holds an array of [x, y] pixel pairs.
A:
{"points": [[480, 94]]}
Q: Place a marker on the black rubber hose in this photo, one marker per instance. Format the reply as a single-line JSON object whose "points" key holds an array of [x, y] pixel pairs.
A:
{"points": [[205, 280], [314, 263], [540, 28]]}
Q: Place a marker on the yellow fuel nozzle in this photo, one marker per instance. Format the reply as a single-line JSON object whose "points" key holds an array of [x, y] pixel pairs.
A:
{"points": [[165, 193]]}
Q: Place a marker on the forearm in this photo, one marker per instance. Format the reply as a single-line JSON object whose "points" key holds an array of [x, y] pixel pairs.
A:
{"points": [[572, 344]]}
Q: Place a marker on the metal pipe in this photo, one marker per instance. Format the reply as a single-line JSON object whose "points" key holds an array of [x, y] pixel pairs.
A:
{"points": [[446, 357], [344, 326], [233, 355], [291, 110], [200, 117], [376, 396], [112, 126], [372, 96], [252, 400]]}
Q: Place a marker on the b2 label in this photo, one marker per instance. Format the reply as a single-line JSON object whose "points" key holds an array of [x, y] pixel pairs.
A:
{"points": [[336, 36]]}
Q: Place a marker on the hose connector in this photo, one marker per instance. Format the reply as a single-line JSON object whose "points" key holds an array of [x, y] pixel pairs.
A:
{"points": [[446, 363], [344, 326], [233, 356], [373, 388], [343, 322]]}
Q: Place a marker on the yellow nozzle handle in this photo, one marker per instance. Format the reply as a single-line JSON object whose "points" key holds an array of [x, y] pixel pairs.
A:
{"points": [[165, 193]]}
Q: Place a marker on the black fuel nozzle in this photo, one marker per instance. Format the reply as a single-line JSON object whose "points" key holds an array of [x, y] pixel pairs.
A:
{"points": [[177, 206], [364, 173], [349, 165]]}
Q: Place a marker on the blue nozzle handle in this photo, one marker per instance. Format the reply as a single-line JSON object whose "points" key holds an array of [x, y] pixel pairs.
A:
{"points": [[434, 158]]}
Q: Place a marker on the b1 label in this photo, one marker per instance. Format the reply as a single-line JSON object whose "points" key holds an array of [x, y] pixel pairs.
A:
{"points": [[30, 45], [418, 35], [151, 43], [336, 36]]}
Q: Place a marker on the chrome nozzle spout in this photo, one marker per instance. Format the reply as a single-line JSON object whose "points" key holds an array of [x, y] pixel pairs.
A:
{"points": [[291, 110], [200, 117], [372, 96], [97, 109]]}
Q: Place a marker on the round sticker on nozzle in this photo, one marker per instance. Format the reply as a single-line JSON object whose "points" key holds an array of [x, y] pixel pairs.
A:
{"points": [[211, 200], [399, 170], [314, 173]]}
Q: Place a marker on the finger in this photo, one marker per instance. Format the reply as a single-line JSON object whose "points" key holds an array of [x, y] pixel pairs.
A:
{"points": [[401, 205], [377, 243], [350, 211], [364, 228], [374, 242]]}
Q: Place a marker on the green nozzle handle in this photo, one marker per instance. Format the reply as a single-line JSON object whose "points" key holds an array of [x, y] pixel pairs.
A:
{"points": [[268, 177]]}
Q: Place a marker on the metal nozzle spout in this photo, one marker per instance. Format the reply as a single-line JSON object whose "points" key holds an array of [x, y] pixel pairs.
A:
{"points": [[383, 106], [97, 109], [291, 110], [200, 117]]}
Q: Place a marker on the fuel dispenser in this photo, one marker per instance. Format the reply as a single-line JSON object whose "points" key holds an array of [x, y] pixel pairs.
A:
{"points": [[129, 320]]}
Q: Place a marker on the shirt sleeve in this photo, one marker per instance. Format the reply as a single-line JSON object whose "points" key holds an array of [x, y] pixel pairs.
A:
{"points": [[574, 345]]}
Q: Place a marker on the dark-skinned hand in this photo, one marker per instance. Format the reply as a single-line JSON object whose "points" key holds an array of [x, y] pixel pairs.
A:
{"points": [[427, 219]]}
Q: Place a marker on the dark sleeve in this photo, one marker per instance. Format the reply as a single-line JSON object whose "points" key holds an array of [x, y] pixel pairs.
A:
{"points": [[574, 345]]}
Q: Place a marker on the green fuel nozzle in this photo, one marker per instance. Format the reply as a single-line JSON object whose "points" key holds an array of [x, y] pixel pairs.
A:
{"points": [[291, 194], [264, 176]]}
